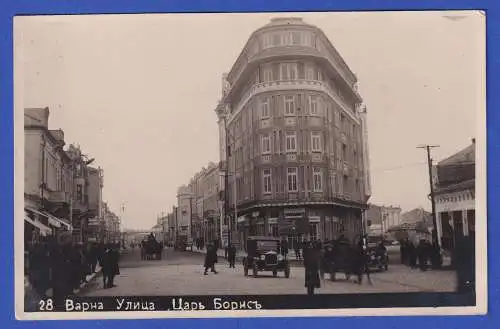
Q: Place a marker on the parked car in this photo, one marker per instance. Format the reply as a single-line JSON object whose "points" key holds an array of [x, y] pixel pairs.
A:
{"points": [[263, 255]]}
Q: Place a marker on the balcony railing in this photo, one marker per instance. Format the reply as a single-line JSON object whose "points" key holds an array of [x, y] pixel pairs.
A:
{"points": [[292, 84]]}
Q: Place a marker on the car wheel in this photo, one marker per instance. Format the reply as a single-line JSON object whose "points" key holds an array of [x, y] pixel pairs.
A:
{"points": [[255, 271], [275, 273]]}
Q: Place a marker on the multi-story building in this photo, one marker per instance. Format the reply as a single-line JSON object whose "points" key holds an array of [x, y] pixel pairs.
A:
{"points": [[293, 136], [112, 225], [48, 177], [95, 203], [199, 206], [454, 195], [381, 218], [185, 208]]}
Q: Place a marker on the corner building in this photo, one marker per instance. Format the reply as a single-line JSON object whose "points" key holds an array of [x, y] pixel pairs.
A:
{"points": [[297, 137]]}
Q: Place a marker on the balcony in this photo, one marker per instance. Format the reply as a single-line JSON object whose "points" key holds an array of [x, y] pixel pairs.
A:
{"points": [[59, 197], [283, 85]]}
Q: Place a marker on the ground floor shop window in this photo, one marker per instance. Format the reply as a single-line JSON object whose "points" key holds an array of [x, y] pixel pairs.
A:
{"points": [[471, 220], [273, 230], [314, 231]]}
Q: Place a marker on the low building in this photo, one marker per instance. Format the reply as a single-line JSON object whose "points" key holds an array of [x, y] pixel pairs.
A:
{"points": [[379, 219], [454, 195]]}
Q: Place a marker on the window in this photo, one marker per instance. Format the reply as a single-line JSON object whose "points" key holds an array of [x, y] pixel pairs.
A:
{"points": [[79, 193], [316, 141], [268, 40], [288, 71], [289, 105], [313, 105], [296, 38], [266, 144], [288, 38], [309, 73], [292, 179], [317, 180], [273, 229], [345, 184], [264, 108], [291, 141], [308, 39], [276, 39], [333, 183], [313, 231], [320, 76], [342, 122], [267, 181], [344, 152], [268, 75], [337, 118]]}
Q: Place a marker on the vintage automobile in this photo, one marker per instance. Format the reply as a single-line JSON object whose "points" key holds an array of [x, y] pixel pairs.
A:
{"points": [[377, 258], [263, 254]]}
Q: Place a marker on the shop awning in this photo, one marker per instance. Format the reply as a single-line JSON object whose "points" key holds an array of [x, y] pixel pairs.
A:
{"points": [[54, 221], [44, 230]]}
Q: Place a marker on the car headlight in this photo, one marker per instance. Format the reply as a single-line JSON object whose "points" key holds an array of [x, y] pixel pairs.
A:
{"points": [[280, 257]]}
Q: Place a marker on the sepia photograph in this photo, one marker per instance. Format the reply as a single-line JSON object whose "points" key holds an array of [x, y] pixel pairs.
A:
{"points": [[253, 164]]}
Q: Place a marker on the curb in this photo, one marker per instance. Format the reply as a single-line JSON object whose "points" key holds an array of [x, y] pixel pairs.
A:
{"points": [[89, 278]]}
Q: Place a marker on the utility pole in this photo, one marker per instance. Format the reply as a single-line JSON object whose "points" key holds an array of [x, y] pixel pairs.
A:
{"points": [[226, 183], [433, 203]]}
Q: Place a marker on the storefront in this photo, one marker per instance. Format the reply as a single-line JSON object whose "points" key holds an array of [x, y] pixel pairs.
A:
{"points": [[299, 223]]}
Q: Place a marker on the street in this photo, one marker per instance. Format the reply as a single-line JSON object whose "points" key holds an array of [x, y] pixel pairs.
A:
{"points": [[181, 273]]}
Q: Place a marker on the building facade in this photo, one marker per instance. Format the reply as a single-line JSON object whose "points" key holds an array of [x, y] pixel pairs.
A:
{"points": [[95, 184], [454, 195], [48, 177], [61, 190], [198, 210], [379, 219], [293, 137]]}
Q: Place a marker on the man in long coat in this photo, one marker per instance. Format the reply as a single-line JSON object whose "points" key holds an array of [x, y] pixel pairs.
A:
{"points": [[311, 265], [110, 266], [62, 264], [231, 255], [210, 259]]}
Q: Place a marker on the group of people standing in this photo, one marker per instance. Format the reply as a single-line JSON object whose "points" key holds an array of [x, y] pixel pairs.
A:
{"points": [[319, 257], [425, 253], [56, 268]]}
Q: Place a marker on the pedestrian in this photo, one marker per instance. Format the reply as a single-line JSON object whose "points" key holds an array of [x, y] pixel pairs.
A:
{"points": [[231, 254], [404, 251], [110, 266], [311, 267], [466, 262], [360, 261], [422, 250], [61, 258], [412, 254], [210, 259]]}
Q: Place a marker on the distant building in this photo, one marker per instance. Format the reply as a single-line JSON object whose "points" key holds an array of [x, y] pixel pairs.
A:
{"points": [[415, 224], [455, 182], [380, 218]]}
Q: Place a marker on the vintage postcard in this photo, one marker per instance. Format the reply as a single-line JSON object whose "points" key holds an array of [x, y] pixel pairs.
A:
{"points": [[257, 164]]}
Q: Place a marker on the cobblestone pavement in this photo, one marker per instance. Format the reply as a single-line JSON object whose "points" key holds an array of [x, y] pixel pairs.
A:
{"points": [[182, 274]]}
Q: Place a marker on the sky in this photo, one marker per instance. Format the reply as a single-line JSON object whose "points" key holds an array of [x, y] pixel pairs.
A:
{"points": [[138, 93]]}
